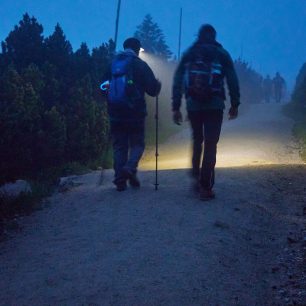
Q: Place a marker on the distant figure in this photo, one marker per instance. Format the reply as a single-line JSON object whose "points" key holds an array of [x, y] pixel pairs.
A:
{"points": [[130, 78], [267, 88], [200, 76], [279, 86]]}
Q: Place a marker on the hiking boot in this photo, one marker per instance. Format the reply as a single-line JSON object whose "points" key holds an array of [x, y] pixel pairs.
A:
{"points": [[131, 177], [121, 186], [206, 194], [134, 181]]}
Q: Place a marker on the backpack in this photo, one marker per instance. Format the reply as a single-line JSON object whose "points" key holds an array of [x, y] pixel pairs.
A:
{"points": [[203, 76], [122, 91]]}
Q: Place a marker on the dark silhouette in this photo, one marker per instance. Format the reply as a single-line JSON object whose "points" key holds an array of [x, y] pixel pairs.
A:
{"points": [[267, 85], [279, 86], [130, 78], [200, 76]]}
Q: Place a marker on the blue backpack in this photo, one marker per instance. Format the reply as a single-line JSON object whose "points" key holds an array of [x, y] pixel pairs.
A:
{"points": [[122, 91]]}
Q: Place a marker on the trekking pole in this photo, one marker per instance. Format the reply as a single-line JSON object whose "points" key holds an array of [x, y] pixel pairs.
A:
{"points": [[156, 143]]}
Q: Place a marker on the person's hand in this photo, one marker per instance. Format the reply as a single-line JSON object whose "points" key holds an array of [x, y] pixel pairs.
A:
{"points": [[233, 113], [177, 117]]}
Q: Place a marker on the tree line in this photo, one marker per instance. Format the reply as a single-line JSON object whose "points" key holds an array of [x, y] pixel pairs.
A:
{"points": [[50, 105]]}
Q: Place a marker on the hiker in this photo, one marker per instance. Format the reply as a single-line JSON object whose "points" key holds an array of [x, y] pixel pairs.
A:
{"points": [[199, 76], [130, 78], [279, 85], [267, 88]]}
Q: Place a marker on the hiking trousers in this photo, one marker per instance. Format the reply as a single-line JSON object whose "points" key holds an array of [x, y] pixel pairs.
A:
{"points": [[128, 147], [206, 128]]}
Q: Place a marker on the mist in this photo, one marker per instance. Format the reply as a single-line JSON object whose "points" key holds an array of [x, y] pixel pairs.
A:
{"points": [[163, 71], [255, 138]]}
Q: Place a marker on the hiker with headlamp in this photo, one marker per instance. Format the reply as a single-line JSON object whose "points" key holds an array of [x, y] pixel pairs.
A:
{"points": [[129, 79]]}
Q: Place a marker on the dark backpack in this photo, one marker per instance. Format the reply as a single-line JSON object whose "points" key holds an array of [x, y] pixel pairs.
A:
{"points": [[122, 91], [203, 76]]}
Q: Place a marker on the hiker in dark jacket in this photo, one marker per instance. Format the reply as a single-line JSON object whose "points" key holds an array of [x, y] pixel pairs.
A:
{"points": [[205, 107], [267, 88], [279, 86], [127, 120]]}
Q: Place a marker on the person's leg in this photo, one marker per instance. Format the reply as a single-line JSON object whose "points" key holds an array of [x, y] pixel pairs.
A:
{"points": [[278, 95], [212, 129], [267, 97], [196, 122], [120, 151], [137, 146]]}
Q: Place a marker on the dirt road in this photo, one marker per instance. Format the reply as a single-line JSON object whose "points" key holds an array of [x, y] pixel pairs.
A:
{"points": [[92, 245]]}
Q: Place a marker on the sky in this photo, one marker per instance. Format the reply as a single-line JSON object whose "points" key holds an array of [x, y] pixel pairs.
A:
{"points": [[269, 34]]}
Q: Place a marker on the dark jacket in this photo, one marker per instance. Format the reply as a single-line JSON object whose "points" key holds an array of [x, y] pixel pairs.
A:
{"points": [[145, 82], [212, 49]]}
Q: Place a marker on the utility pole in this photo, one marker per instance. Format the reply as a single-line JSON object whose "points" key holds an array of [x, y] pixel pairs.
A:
{"points": [[180, 35], [117, 23]]}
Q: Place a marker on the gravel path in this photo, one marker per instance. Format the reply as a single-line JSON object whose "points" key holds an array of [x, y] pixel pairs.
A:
{"points": [[92, 245], [261, 135]]}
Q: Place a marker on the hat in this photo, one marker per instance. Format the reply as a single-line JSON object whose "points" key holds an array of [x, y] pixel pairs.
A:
{"points": [[132, 43], [207, 33]]}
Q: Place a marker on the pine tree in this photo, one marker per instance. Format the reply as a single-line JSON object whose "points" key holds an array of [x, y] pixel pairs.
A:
{"points": [[20, 123], [101, 59], [82, 62], [59, 50], [52, 138], [33, 76], [51, 93], [299, 92], [80, 121], [58, 70], [152, 38], [250, 82], [24, 45]]}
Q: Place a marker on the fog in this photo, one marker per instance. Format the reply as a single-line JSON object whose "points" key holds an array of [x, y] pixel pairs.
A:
{"points": [[261, 135]]}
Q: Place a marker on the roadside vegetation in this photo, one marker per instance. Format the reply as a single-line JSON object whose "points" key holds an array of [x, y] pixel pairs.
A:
{"points": [[296, 109]]}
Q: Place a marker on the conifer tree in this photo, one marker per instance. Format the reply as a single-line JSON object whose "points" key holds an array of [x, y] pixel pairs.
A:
{"points": [[82, 62], [80, 121], [299, 92], [52, 138], [24, 45], [51, 93], [59, 50], [152, 38], [250, 82]]}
